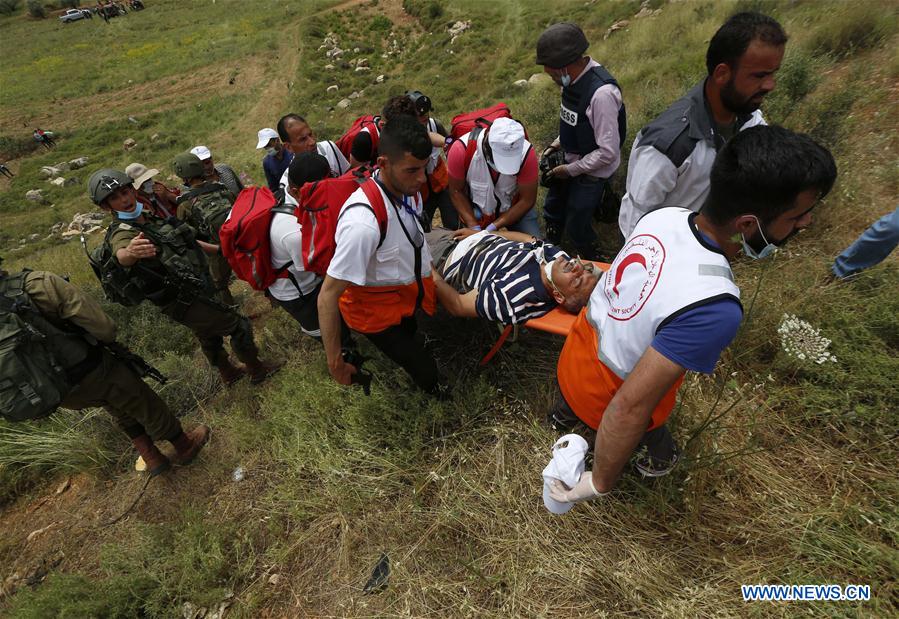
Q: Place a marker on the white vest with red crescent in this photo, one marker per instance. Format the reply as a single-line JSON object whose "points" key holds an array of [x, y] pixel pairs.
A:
{"points": [[664, 269]]}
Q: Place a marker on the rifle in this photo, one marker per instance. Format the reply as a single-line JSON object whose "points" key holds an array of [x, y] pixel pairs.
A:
{"points": [[137, 363]]}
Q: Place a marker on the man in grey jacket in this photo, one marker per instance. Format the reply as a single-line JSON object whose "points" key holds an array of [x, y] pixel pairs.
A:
{"points": [[672, 157]]}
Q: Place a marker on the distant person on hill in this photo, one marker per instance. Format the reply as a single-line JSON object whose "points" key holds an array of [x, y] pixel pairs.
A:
{"points": [[218, 172], [298, 137], [872, 247], [6, 171], [44, 138], [276, 159], [497, 187], [81, 338], [162, 200], [592, 127], [671, 157], [669, 303]]}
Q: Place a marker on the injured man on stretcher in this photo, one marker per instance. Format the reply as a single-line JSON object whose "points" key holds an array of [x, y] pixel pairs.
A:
{"points": [[507, 277]]}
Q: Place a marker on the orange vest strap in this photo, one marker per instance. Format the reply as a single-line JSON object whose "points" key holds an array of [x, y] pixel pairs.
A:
{"points": [[371, 309]]}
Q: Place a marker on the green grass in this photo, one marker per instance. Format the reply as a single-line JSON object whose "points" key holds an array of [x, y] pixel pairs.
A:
{"points": [[789, 469]]}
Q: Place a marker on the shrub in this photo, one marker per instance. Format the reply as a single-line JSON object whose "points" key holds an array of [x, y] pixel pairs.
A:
{"points": [[69, 4], [379, 23], [13, 148], [36, 9], [863, 26], [8, 7], [428, 12]]}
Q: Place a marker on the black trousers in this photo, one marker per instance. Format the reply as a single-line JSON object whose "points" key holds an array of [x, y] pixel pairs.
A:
{"points": [[304, 310], [402, 344]]}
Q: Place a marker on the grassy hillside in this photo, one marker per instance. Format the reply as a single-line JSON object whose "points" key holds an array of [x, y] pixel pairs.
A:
{"points": [[789, 473]]}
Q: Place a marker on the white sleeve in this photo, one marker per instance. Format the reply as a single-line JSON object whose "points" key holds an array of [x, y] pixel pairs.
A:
{"points": [[650, 178], [755, 120], [356, 241]]}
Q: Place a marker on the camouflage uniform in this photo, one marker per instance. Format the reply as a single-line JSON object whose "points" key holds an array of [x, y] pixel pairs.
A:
{"points": [[206, 208], [177, 280]]}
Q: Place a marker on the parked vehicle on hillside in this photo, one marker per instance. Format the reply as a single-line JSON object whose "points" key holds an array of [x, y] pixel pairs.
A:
{"points": [[75, 15]]}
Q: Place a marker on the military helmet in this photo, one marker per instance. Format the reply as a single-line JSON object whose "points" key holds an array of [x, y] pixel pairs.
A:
{"points": [[104, 182], [188, 165]]}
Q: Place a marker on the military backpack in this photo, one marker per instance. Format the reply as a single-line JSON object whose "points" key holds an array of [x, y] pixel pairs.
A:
{"points": [[33, 378]]}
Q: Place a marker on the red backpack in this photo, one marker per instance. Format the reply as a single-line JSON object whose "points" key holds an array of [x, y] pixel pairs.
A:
{"points": [[345, 143], [463, 123], [319, 210], [245, 238]]}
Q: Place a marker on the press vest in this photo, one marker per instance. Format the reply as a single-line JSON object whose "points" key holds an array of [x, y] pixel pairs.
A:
{"points": [[398, 277], [663, 270], [575, 131], [482, 191]]}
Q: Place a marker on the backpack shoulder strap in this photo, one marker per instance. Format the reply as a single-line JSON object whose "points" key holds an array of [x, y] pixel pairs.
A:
{"points": [[472, 147], [376, 200], [12, 292]]}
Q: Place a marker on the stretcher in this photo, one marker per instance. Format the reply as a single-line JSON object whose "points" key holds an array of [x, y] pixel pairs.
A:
{"points": [[557, 322]]}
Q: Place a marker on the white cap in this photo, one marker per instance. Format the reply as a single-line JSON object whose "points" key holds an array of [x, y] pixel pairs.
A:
{"points": [[506, 138], [265, 136], [567, 464], [202, 152]]}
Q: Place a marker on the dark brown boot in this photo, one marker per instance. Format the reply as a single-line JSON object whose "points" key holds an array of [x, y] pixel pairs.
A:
{"points": [[188, 444], [154, 459], [260, 370], [229, 372]]}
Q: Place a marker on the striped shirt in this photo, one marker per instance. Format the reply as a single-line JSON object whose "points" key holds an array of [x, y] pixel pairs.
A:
{"points": [[506, 275]]}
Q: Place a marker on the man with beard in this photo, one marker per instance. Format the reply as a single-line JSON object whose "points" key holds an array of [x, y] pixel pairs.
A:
{"points": [[671, 157]]}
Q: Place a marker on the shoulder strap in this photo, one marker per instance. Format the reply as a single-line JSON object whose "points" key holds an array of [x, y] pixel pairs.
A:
{"points": [[472, 146], [376, 200], [12, 292]]}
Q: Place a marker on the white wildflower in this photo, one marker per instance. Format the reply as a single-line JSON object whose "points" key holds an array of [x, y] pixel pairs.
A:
{"points": [[802, 341]]}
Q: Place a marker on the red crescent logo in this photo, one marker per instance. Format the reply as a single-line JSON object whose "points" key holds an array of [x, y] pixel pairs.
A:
{"points": [[619, 272]]}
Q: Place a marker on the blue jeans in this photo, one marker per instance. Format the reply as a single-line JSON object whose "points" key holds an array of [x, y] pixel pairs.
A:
{"points": [[571, 203], [526, 225], [871, 247]]}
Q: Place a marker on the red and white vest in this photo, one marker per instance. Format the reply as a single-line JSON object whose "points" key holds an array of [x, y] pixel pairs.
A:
{"points": [[392, 286], [664, 269]]}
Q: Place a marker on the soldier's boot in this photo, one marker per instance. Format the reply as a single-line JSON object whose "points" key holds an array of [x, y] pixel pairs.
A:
{"points": [[154, 459], [229, 372], [260, 370], [188, 444]]}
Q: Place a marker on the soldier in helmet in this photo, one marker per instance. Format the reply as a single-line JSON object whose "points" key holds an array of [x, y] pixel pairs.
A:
{"points": [[72, 364], [205, 206], [144, 257]]}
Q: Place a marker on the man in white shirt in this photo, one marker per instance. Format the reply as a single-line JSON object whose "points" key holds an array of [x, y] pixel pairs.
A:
{"points": [[298, 292], [380, 276]]}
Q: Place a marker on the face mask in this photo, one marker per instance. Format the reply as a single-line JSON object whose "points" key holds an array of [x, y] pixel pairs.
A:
{"points": [[147, 187], [565, 80], [271, 150], [131, 214], [766, 251]]}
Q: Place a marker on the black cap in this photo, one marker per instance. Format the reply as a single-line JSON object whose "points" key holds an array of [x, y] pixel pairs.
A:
{"points": [[560, 45], [307, 167]]}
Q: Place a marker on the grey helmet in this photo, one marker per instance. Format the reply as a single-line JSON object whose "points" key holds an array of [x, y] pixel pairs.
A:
{"points": [[104, 182]]}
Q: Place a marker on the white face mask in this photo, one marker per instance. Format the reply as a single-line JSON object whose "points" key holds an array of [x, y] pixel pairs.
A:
{"points": [[147, 187], [271, 150], [766, 251], [565, 80]]}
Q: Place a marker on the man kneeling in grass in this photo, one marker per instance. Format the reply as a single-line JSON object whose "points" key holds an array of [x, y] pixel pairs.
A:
{"points": [[669, 303], [507, 277]]}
